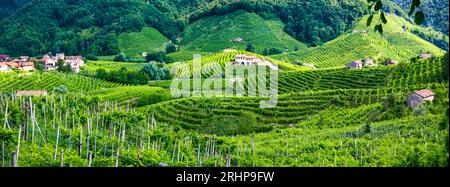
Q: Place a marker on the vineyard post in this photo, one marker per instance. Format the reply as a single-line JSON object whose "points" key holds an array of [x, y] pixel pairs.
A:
{"points": [[57, 141], [117, 158], [14, 159], [198, 155], [88, 139], [25, 127], [32, 121], [3, 154], [90, 159], [178, 152], [61, 159], [18, 143], [70, 139], [173, 152], [253, 144], [80, 145], [6, 124], [228, 160]]}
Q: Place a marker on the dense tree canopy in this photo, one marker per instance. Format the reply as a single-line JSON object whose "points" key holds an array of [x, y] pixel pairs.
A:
{"points": [[92, 27]]}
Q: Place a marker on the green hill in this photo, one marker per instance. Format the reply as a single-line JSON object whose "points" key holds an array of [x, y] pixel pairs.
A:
{"points": [[396, 44], [306, 93], [216, 33], [57, 25], [148, 40]]}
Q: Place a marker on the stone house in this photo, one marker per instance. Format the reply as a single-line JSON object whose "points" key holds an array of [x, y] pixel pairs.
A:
{"points": [[391, 62], [369, 62], [4, 67], [26, 66], [357, 64], [418, 97]]}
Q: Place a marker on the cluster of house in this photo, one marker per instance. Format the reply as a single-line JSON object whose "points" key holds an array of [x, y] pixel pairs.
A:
{"points": [[246, 60], [21, 63], [26, 63], [358, 64]]}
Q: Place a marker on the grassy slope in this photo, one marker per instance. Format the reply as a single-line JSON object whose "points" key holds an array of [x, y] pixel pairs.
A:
{"points": [[148, 40], [395, 44], [216, 33]]}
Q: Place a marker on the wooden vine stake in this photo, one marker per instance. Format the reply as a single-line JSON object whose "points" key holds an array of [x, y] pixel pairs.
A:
{"points": [[61, 159]]}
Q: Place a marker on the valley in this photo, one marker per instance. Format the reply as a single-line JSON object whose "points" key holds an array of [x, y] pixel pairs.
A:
{"points": [[346, 96]]}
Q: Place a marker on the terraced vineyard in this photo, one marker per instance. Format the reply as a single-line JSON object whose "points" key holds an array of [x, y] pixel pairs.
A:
{"points": [[419, 73], [92, 66], [225, 58], [132, 95], [194, 113], [48, 81], [306, 93], [394, 44]]}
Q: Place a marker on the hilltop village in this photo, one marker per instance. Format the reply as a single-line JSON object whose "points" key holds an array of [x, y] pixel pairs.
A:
{"points": [[47, 63]]}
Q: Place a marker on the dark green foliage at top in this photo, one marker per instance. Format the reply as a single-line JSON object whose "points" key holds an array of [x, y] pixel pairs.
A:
{"points": [[91, 27], [79, 26], [309, 21]]}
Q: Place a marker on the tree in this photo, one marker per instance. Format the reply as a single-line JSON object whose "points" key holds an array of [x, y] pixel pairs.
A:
{"points": [[121, 57], [274, 51], [91, 57], [250, 48], [171, 48], [156, 71], [61, 67], [101, 74], [156, 56], [265, 52], [39, 66], [377, 5]]}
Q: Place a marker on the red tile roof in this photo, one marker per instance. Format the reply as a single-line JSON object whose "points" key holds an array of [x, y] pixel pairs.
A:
{"points": [[423, 56], [12, 64], [425, 93], [26, 64]]}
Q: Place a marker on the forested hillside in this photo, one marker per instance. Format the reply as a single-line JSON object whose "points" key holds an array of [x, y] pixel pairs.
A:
{"points": [[92, 27]]}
